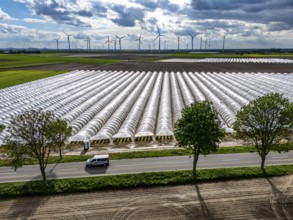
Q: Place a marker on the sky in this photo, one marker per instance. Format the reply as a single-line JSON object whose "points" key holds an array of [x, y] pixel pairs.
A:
{"points": [[244, 23]]}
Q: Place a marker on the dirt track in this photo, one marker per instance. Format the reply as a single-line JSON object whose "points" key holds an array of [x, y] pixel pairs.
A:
{"points": [[246, 199]]}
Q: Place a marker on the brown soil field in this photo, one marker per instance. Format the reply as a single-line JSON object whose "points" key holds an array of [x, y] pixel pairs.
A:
{"points": [[156, 66], [270, 198]]}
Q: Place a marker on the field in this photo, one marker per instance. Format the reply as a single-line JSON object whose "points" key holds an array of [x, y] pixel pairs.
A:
{"points": [[15, 77], [116, 106], [267, 198], [22, 60], [98, 102], [17, 69]]}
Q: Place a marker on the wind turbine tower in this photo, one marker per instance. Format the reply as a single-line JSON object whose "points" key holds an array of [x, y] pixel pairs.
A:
{"points": [[192, 38], [89, 43], [68, 39], [115, 43], [224, 39], [57, 42], [178, 42], [139, 42], [200, 43], [159, 36], [119, 40], [108, 41]]}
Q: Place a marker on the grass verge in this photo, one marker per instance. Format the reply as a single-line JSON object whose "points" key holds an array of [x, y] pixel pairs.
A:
{"points": [[15, 77], [21, 60], [142, 154], [90, 184]]}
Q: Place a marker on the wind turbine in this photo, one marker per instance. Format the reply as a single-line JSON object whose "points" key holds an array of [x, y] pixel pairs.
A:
{"points": [[159, 36], [68, 39], [224, 39], [115, 43], [139, 42], [89, 43], [178, 41], [192, 37], [108, 41], [57, 42], [119, 40], [200, 43]]}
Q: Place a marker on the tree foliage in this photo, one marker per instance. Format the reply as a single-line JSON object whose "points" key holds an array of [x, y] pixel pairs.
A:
{"points": [[35, 134], [199, 129], [264, 123], [2, 127]]}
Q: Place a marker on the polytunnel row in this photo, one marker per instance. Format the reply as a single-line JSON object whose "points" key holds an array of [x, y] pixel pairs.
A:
{"points": [[116, 106], [245, 60]]}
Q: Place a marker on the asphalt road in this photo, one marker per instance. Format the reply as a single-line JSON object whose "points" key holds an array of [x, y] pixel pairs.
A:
{"points": [[71, 170]]}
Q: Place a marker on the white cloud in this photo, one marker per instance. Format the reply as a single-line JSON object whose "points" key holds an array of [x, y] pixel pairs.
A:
{"points": [[32, 20], [246, 22], [3, 15]]}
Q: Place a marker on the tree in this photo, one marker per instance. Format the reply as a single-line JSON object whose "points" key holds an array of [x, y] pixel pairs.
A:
{"points": [[264, 123], [199, 129], [2, 127], [35, 134]]}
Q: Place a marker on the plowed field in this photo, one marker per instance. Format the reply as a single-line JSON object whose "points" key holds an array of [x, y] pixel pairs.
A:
{"points": [[171, 67], [247, 199]]}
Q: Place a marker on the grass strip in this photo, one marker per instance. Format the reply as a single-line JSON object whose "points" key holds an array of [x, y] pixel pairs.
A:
{"points": [[21, 60], [15, 77], [142, 154], [90, 184]]}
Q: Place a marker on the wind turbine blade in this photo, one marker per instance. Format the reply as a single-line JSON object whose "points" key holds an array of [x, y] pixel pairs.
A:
{"points": [[156, 37]]}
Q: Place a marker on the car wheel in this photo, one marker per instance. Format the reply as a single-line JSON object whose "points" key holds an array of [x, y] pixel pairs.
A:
{"points": [[89, 166]]}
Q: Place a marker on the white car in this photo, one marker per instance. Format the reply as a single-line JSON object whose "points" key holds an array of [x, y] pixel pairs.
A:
{"points": [[98, 160]]}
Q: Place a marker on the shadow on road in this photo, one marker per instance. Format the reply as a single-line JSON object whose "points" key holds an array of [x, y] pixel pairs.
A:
{"points": [[96, 170]]}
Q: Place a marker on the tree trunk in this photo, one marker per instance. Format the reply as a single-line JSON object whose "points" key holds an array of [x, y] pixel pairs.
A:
{"points": [[196, 154], [194, 167], [60, 153], [43, 175], [262, 166]]}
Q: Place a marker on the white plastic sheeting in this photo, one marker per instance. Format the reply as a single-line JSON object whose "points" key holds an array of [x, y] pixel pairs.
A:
{"points": [[164, 122], [147, 123], [230, 60], [130, 124], [109, 105]]}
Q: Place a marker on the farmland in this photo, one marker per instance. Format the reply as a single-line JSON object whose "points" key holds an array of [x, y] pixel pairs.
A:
{"points": [[98, 97], [116, 106]]}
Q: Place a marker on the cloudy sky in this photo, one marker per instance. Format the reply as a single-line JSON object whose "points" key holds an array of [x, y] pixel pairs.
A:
{"points": [[245, 23]]}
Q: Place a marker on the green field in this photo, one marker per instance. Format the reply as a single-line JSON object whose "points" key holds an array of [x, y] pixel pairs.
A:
{"points": [[10, 76], [15, 77], [23, 60]]}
